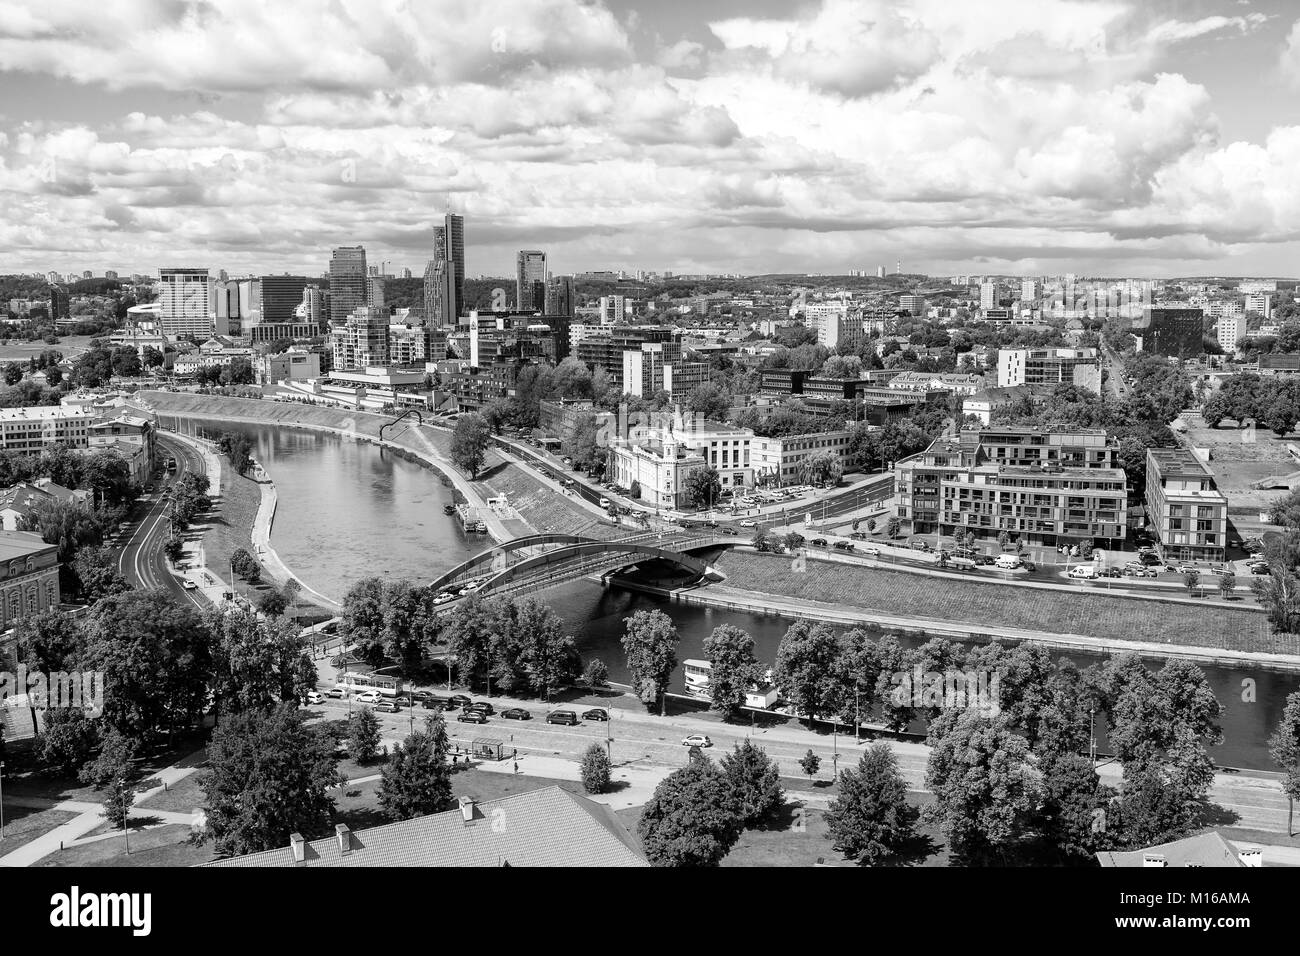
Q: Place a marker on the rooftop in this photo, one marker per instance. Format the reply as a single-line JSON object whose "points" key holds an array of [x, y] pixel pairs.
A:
{"points": [[21, 544], [1206, 849], [548, 827]]}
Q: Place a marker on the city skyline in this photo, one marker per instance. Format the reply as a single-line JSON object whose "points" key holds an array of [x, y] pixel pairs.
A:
{"points": [[1024, 139]]}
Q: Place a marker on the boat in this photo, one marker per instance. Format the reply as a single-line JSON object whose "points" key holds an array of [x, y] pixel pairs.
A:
{"points": [[449, 509]]}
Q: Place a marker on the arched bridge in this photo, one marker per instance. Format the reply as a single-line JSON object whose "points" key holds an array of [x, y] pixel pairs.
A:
{"points": [[540, 560]]}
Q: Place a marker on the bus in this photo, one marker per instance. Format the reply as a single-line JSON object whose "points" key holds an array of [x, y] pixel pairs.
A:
{"points": [[357, 682], [698, 674]]}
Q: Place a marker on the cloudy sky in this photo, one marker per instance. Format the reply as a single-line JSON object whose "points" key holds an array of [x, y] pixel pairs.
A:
{"points": [[1150, 138]]}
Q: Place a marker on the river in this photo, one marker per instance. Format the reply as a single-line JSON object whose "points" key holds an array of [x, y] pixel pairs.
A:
{"points": [[348, 509]]}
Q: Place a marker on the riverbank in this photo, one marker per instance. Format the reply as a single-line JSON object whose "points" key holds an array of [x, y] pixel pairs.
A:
{"points": [[1087, 623], [260, 536]]}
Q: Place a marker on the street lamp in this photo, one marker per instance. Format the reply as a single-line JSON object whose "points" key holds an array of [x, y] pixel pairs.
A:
{"points": [[1092, 736]]}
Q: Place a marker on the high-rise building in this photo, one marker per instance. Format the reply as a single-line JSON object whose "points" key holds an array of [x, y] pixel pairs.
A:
{"points": [[439, 292], [454, 227], [281, 296], [1028, 290], [347, 282], [560, 297], [613, 309], [375, 292], [1187, 512], [226, 312], [184, 302], [988, 295], [110, 274], [362, 340], [59, 306], [530, 279], [1228, 331], [406, 273]]}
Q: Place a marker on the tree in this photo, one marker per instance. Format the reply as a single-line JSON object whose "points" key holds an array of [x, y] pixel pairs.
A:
{"points": [[1227, 584], [97, 575], [822, 467], [237, 447], [469, 442], [1191, 580], [1072, 795], [984, 782], [416, 780], [650, 643], [1279, 595], [268, 777], [13, 373], [596, 674], [112, 771], [156, 657], [693, 818], [363, 735], [756, 780], [891, 527], [703, 486], [245, 565], [257, 664], [805, 667], [595, 769], [53, 376], [1154, 807], [1284, 748], [272, 602], [734, 669], [810, 763], [871, 819], [67, 741], [710, 401]]}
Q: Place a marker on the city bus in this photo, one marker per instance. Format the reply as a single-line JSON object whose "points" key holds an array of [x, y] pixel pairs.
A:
{"points": [[356, 682]]}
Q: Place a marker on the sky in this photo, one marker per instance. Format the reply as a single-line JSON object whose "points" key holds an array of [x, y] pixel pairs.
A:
{"points": [[1030, 137]]}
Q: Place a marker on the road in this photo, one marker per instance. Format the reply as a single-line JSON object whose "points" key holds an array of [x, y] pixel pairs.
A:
{"points": [[1115, 378], [141, 561], [649, 741]]}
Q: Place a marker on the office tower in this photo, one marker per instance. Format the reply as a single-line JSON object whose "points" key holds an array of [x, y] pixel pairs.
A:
{"points": [[1172, 331], [406, 273], [530, 280], [439, 292], [560, 298], [347, 282], [59, 308], [375, 292], [281, 296], [226, 313], [455, 253], [184, 302]]}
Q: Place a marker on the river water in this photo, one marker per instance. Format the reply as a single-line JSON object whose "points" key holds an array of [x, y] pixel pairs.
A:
{"points": [[348, 510]]}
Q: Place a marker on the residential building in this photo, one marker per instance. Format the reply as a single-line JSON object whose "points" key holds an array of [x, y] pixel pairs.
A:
{"points": [[604, 348], [613, 309], [1187, 513], [1050, 366], [530, 280], [1028, 290], [988, 296], [29, 577], [1228, 331], [643, 368], [362, 340], [1041, 485], [37, 427], [347, 277], [959, 383], [778, 460], [681, 378], [184, 302], [986, 401], [1172, 331], [19, 504], [454, 242], [440, 293], [1260, 303], [550, 827], [912, 304], [129, 435]]}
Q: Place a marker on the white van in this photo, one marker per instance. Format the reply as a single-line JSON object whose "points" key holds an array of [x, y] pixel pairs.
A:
{"points": [[604, 502], [1007, 562], [1084, 572]]}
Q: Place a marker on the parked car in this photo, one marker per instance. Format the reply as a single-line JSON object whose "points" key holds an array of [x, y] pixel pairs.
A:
{"points": [[844, 546], [368, 697], [596, 713], [1184, 568], [728, 530], [516, 713], [315, 697], [388, 705], [1260, 569], [459, 700], [710, 523], [859, 536], [921, 546], [749, 523], [567, 717], [482, 705], [818, 542], [189, 585], [472, 717], [335, 692], [985, 560], [697, 740], [1110, 573], [444, 598], [435, 703]]}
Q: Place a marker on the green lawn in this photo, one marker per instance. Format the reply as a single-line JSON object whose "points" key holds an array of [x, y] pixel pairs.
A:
{"points": [[980, 604], [162, 846], [182, 797], [24, 824]]}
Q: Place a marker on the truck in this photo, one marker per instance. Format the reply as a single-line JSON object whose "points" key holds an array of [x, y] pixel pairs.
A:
{"points": [[1007, 562]]}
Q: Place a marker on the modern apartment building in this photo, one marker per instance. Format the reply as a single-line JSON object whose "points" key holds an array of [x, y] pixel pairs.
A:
{"points": [[530, 280], [1049, 366], [643, 368], [988, 296], [362, 340], [1041, 485], [454, 241], [681, 378], [613, 309], [347, 282], [185, 302], [1188, 515], [604, 348], [1228, 330]]}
